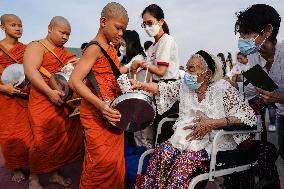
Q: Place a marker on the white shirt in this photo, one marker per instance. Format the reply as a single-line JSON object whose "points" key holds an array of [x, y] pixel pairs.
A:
{"points": [[141, 74], [238, 68], [165, 52], [221, 100], [276, 72]]}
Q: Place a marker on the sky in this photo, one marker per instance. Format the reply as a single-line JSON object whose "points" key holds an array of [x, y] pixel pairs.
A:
{"points": [[196, 25]]}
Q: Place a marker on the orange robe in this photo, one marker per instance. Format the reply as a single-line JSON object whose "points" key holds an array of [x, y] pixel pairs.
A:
{"points": [[104, 165], [15, 132], [58, 139]]}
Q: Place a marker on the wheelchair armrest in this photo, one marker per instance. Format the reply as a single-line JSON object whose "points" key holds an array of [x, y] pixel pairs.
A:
{"points": [[141, 160], [239, 127]]}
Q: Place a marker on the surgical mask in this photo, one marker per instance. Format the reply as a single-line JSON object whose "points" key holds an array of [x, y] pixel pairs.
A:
{"points": [[122, 50], [248, 46], [192, 80], [153, 30]]}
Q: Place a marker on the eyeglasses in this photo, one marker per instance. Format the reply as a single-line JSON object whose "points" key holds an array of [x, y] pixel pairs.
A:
{"points": [[149, 24]]}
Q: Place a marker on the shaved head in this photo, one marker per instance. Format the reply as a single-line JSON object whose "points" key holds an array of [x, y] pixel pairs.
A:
{"points": [[58, 21], [6, 17], [114, 10]]}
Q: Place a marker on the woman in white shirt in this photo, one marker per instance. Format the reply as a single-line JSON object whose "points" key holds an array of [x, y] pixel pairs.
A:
{"points": [[131, 50], [163, 60]]}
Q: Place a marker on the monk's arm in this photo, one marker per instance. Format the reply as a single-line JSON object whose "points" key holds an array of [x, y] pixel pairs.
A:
{"points": [[82, 69], [123, 70], [33, 57]]}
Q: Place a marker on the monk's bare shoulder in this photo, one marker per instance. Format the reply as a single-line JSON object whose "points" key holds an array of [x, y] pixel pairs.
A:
{"points": [[35, 48], [93, 52]]}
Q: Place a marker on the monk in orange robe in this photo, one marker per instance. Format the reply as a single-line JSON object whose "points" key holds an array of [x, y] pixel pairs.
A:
{"points": [[15, 132], [58, 139], [104, 165]]}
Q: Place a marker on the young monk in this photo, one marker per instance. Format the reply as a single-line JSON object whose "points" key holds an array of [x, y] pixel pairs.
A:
{"points": [[58, 140], [104, 165], [15, 132]]}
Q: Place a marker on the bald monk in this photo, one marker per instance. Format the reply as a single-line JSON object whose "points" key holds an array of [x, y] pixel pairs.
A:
{"points": [[104, 165], [15, 132], [58, 140]]}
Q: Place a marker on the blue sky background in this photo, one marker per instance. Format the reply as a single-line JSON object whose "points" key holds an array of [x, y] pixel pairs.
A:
{"points": [[202, 24]]}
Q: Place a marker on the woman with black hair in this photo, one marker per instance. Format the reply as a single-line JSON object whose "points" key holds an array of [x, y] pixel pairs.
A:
{"points": [[163, 61], [131, 50]]}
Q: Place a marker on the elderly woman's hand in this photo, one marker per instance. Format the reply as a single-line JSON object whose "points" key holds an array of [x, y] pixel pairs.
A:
{"points": [[200, 126], [149, 87]]}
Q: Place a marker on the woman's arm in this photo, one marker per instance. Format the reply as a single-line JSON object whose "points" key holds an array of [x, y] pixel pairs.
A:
{"points": [[159, 70], [203, 126]]}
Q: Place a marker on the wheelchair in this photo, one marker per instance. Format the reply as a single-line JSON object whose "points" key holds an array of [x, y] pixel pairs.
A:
{"points": [[218, 167]]}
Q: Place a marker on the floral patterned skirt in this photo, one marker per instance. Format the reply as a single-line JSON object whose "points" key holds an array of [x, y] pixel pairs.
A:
{"points": [[169, 168]]}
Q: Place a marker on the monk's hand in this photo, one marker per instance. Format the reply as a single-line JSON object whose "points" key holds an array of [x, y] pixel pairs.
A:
{"points": [[55, 97], [109, 113], [11, 89], [200, 126], [135, 65], [271, 97]]}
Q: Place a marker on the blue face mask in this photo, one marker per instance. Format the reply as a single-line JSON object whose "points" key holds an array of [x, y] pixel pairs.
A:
{"points": [[248, 46], [191, 81]]}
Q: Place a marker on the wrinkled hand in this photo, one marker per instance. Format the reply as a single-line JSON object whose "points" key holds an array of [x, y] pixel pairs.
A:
{"points": [[149, 87], [110, 114], [55, 97], [200, 126], [135, 65], [10, 88], [271, 97], [135, 85]]}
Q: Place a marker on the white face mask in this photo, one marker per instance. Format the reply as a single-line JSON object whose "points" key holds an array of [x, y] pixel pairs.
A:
{"points": [[122, 50], [153, 30]]}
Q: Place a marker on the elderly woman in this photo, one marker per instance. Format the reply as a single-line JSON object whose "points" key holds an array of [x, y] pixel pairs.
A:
{"points": [[207, 103]]}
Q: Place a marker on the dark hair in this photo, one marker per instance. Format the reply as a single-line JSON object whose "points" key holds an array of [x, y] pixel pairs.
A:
{"points": [[256, 18], [239, 53], [222, 56], [158, 13], [147, 44], [84, 45], [133, 45]]}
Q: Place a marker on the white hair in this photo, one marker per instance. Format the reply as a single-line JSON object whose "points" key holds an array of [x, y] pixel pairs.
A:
{"points": [[218, 69], [218, 74]]}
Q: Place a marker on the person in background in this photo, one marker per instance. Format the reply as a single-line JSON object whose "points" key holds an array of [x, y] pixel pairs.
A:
{"points": [[241, 66], [181, 72], [221, 56], [229, 62], [132, 50], [163, 60], [147, 45], [258, 27], [15, 131]]}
